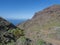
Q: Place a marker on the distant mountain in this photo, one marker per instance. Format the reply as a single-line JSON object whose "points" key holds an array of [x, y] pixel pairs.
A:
{"points": [[44, 25]]}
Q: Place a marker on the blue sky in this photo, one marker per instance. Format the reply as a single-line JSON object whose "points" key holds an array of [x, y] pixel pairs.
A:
{"points": [[23, 9]]}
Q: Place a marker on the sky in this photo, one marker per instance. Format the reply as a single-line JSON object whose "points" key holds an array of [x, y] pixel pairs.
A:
{"points": [[23, 9]]}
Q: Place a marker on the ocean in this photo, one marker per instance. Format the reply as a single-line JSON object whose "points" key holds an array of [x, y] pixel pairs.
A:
{"points": [[16, 21]]}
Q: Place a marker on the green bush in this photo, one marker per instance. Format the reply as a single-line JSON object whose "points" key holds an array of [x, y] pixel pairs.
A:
{"points": [[0, 43], [40, 42], [17, 32]]}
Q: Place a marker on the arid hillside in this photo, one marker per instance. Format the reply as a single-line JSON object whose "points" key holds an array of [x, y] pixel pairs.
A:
{"points": [[44, 25]]}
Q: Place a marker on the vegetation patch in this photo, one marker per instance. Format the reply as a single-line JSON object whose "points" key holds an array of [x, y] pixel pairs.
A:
{"points": [[40, 42], [17, 32]]}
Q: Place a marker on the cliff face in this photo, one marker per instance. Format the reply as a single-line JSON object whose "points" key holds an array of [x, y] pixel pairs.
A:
{"points": [[44, 25]]}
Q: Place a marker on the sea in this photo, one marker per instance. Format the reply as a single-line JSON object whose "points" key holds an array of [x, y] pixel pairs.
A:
{"points": [[16, 21]]}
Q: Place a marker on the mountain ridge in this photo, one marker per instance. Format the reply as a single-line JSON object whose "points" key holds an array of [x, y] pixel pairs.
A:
{"points": [[44, 24]]}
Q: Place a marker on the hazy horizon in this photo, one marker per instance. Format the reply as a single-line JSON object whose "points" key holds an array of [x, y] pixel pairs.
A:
{"points": [[16, 21]]}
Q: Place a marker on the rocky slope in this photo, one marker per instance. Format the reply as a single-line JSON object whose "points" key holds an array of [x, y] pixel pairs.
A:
{"points": [[44, 25], [9, 33], [5, 25]]}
